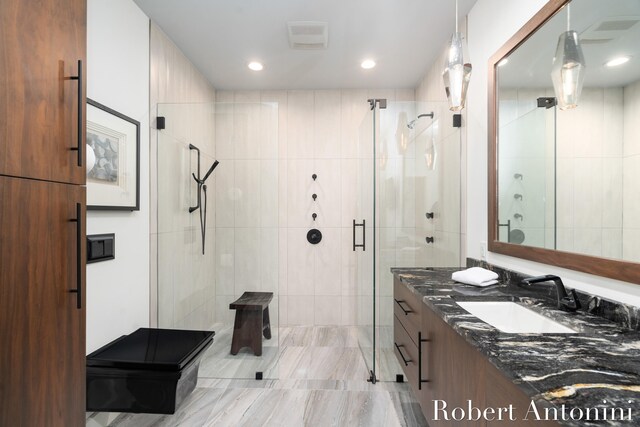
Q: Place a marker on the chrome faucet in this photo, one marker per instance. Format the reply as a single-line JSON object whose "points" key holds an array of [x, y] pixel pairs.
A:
{"points": [[565, 302]]}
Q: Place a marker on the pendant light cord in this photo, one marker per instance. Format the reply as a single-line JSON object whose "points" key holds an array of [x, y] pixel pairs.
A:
{"points": [[456, 16]]}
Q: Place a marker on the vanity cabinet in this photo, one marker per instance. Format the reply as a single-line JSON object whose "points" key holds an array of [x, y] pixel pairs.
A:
{"points": [[407, 310], [443, 368], [42, 213], [453, 369]]}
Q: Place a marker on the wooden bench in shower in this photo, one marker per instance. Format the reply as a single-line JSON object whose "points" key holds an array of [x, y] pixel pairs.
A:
{"points": [[252, 321]]}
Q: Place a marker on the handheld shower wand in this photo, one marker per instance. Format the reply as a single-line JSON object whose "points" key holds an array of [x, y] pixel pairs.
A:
{"points": [[202, 189]]}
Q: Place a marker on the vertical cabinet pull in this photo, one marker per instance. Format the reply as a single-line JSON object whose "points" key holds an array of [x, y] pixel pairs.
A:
{"points": [[364, 235], [78, 289], [406, 361], [80, 120], [420, 341]]}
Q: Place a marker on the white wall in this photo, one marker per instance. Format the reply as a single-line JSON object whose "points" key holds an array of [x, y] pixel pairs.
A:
{"points": [[318, 132], [118, 77], [490, 24], [631, 175]]}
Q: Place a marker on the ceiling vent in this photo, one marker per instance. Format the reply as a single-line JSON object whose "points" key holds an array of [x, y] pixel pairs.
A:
{"points": [[608, 29], [308, 35]]}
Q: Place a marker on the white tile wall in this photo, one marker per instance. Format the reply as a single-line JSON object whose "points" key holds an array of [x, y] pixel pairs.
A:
{"points": [[589, 172], [184, 288], [631, 174], [312, 132]]}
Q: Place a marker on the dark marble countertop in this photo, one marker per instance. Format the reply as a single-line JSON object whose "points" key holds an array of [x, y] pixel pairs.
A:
{"points": [[598, 367]]}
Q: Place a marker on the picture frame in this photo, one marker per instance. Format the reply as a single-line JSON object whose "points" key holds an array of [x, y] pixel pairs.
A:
{"points": [[114, 181]]}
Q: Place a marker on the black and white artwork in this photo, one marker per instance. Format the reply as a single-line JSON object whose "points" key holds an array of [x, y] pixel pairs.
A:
{"points": [[113, 139], [105, 149]]}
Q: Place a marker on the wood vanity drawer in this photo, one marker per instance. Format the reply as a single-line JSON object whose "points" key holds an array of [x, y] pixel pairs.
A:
{"points": [[407, 307], [407, 353]]}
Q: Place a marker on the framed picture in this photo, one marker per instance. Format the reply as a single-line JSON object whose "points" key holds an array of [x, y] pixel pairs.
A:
{"points": [[114, 181]]}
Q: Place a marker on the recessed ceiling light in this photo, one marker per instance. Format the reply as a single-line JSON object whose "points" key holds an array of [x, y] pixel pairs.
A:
{"points": [[255, 66], [503, 62], [617, 61], [368, 64]]}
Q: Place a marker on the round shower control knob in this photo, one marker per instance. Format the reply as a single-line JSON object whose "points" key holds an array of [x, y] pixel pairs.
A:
{"points": [[314, 236]]}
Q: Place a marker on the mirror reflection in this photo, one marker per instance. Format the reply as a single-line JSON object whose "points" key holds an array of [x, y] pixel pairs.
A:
{"points": [[569, 180]]}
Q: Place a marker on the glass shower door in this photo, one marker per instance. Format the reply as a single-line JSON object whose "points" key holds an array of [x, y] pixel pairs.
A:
{"points": [[364, 243], [212, 245]]}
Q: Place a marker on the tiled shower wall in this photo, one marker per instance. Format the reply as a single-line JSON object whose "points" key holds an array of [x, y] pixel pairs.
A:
{"points": [[631, 175], [184, 285], [317, 134], [589, 168]]}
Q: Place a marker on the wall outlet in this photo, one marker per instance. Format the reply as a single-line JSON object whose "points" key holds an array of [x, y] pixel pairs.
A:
{"points": [[483, 251]]}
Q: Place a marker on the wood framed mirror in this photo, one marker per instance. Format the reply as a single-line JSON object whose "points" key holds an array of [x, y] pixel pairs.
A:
{"points": [[564, 185]]}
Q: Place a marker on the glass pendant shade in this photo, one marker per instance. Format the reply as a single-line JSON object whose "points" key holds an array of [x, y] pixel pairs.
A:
{"points": [[567, 71], [457, 72]]}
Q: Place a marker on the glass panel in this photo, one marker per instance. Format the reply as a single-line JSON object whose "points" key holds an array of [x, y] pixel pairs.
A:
{"points": [[364, 256], [526, 177], [241, 241], [419, 164], [411, 151]]}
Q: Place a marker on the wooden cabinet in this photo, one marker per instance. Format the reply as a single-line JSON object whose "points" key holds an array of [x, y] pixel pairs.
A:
{"points": [[406, 322], [42, 213], [42, 338], [502, 392], [454, 371], [442, 368], [41, 44]]}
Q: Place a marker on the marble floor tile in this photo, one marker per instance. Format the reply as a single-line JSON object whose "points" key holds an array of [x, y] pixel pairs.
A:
{"points": [[318, 379]]}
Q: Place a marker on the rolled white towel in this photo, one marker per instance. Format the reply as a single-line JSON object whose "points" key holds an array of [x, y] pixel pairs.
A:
{"points": [[476, 276]]}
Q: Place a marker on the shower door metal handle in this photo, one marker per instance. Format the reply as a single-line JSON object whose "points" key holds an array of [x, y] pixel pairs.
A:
{"points": [[364, 235]]}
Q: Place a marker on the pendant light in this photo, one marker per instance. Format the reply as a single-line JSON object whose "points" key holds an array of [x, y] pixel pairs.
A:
{"points": [[567, 71], [457, 70]]}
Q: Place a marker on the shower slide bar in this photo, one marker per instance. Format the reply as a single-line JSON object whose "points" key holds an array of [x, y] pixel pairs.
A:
{"points": [[202, 189]]}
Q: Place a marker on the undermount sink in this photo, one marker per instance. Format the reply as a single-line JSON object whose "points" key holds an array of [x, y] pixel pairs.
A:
{"points": [[510, 317]]}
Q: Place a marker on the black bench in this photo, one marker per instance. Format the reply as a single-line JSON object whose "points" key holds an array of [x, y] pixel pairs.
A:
{"points": [[252, 321]]}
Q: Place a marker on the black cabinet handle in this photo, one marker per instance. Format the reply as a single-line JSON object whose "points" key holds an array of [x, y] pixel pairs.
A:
{"points": [[78, 289], [400, 302], [406, 361], [420, 341], [79, 148], [364, 236]]}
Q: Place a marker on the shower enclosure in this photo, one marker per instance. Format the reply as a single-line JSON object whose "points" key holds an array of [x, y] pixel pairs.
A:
{"points": [[527, 173], [217, 234], [408, 212]]}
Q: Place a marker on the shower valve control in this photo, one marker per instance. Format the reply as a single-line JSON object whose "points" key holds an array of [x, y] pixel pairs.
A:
{"points": [[314, 216], [429, 239], [429, 215], [314, 176], [314, 197]]}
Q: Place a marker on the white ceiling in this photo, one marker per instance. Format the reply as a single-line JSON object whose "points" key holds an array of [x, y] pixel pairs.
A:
{"points": [[530, 64], [220, 37]]}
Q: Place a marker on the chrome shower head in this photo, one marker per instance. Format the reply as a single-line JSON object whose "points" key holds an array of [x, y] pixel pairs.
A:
{"points": [[412, 123]]}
